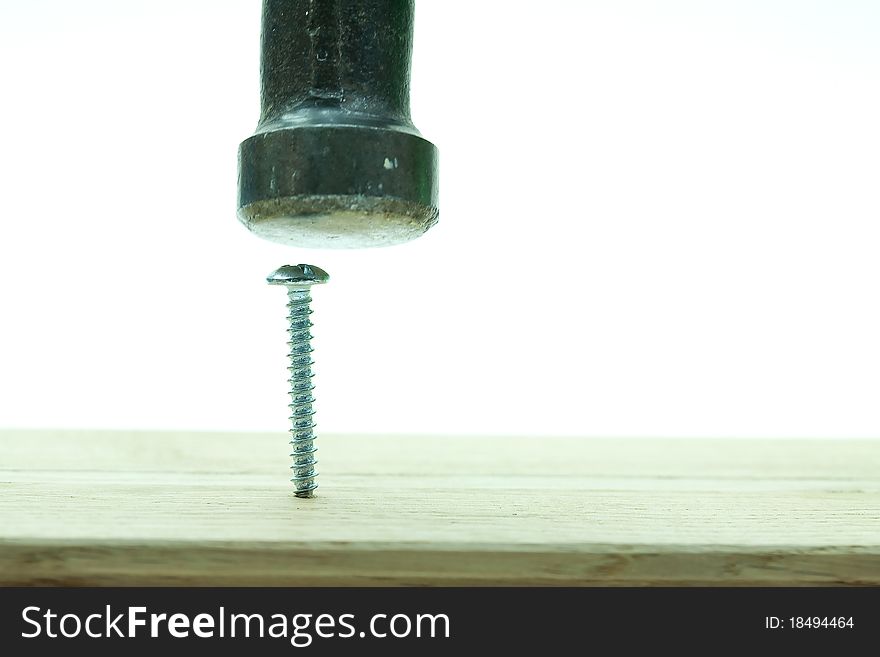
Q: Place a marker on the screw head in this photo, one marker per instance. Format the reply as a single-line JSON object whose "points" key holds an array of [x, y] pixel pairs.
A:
{"points": [[301, 276]]}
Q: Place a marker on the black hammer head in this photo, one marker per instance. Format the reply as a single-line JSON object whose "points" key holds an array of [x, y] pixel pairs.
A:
{"points": [[336, 161]]}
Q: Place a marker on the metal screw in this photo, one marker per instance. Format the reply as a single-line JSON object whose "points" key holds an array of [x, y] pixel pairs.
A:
{"points": [[298, 279]]}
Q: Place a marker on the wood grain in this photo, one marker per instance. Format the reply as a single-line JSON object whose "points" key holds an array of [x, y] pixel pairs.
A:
{"points": [[125, 508]]}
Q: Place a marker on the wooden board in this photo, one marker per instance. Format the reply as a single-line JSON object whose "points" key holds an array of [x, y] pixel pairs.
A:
{"points": [[124, 508]]}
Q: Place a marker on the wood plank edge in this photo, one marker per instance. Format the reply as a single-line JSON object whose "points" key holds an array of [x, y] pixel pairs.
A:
{"points": [[130, 563]]}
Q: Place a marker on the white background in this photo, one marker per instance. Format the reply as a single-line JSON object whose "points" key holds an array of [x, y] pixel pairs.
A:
{"points": [[658, 219]]}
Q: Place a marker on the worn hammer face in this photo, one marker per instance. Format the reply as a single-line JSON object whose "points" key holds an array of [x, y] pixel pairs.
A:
{"points": [[336, 161]]}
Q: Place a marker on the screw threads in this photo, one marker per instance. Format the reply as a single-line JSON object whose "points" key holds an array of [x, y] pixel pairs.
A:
{"points": [[302, 435], [298, 279]]}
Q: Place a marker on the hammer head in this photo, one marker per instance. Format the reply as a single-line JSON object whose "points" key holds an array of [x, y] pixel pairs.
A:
{"points": [[336, 161], [338, 186]]}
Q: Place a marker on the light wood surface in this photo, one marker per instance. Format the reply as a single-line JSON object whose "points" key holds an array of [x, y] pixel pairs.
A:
{"points": [[125, 508]]}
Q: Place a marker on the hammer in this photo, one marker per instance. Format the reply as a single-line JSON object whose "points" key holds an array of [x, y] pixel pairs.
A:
{"points": [[336, 161]]}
